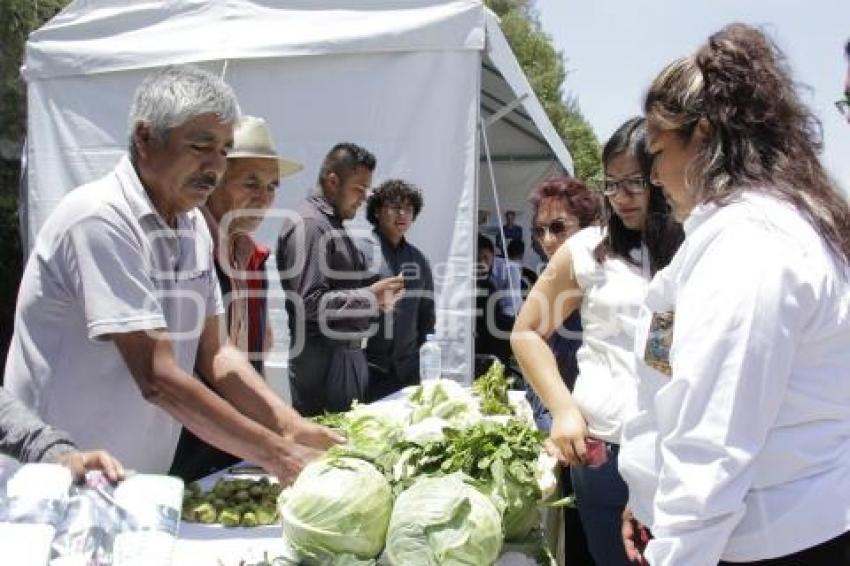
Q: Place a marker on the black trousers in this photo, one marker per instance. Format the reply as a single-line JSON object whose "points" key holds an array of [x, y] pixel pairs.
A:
{"points": [[327, 377], [834, 552]]}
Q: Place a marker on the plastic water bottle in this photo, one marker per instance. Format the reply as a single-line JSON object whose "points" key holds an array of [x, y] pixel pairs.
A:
{"points": [[430, 359]]}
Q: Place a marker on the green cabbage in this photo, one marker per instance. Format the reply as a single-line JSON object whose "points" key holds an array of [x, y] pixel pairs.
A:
{"points": [[518, 500], [443, 521], [445, 399], [371, 436], [337, 512]]}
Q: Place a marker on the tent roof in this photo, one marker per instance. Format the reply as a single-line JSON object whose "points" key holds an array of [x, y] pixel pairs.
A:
{"points": [[99, 36], [96, 36], [524, 134]]}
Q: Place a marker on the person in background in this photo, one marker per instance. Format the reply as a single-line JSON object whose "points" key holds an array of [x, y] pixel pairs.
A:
{"points": [[516, 252], [560, 207], [603, 272], [512, 231], [393, 351], [739, 449], [491, 326], [843, 105], [26, 438], [119, 301], [331, 304], [233, 212], [506, 277]]}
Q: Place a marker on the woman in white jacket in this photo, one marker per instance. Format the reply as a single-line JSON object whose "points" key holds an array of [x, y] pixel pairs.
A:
{"points": [[739, 451]]}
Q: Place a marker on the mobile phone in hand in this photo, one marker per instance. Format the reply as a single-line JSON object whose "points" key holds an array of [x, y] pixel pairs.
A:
{"points": [[597, 452]]}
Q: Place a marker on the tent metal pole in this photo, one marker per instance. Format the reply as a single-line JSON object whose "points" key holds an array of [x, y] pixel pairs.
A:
{"points": [[483, 127], [505, 110]]}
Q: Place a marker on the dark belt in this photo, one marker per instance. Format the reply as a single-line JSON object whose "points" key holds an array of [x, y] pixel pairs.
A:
{"points": [[357, 344]]}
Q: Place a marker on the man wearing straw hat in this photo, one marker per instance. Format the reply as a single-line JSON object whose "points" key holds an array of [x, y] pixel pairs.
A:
{"points": [[233, 213], [119, 301]]}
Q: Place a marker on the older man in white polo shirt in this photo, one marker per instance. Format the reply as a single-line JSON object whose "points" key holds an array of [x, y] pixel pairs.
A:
{"points": [[120, 301]]}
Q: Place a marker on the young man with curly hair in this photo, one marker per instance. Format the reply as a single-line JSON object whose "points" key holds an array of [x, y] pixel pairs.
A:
{"points": [[393, 351]]}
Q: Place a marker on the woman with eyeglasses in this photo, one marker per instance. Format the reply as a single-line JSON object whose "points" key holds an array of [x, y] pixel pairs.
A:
{"points": [[602, 272], [739, 448]]}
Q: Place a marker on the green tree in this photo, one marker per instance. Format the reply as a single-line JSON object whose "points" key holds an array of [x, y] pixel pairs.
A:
{"points": [[17, 19], [545, 69]]}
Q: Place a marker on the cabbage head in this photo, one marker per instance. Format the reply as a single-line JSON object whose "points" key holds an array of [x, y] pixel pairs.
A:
{"points": [[445, 399], [443, 521], [337, 512], [371, 436]]}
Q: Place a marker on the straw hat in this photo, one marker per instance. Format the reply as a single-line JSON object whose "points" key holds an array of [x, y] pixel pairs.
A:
{"points": [[252, 138]]}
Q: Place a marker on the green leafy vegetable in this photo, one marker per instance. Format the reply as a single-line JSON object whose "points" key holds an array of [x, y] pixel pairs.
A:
{"points": [[492, 389], [337, 512], [443, 521], [501, 458], [445, 399], [371, 436]]}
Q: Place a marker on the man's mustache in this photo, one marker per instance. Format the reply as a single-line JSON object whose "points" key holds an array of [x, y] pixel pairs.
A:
{"points": [[205, 180]]}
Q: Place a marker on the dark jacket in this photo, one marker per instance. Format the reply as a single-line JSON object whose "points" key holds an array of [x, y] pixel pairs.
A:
{"points": [[393, 350], [329, 308]]}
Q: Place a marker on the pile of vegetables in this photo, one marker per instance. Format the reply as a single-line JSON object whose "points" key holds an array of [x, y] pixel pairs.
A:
{"points": [[442, 479], [233, 503], [503, 459]]}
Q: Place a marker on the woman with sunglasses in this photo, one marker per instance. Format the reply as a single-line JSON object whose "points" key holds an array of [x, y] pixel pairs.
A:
{"points": [[601, 272], [561, 207], [739, 448]]}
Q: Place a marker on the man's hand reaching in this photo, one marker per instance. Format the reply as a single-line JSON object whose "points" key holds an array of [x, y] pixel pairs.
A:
{"points": [[388, 291]]}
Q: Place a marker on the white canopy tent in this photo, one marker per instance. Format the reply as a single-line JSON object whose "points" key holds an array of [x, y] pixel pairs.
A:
{"points": [[412, 80]]}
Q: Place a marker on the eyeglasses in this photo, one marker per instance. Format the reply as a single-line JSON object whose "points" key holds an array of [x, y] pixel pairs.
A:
{"points": [[401, 209], [556, 228], [632, 185], [843, 105]]}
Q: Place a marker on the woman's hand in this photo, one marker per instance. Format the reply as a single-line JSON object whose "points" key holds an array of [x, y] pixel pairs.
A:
{"points": [[635, 538], [567, 435]]}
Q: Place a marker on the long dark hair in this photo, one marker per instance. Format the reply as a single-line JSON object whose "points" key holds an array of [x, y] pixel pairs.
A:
{"points": [[762, 137], [661, 234]]}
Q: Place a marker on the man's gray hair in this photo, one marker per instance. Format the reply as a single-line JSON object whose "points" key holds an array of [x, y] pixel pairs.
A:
{"points": [[172, 95]]}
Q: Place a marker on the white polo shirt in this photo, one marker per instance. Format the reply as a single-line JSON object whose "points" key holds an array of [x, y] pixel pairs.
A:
{"points": [[742, 452], [103, 263], [613, 294]]}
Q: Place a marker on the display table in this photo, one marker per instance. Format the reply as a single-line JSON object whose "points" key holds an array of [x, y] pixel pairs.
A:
{"points": [[215, 545]]}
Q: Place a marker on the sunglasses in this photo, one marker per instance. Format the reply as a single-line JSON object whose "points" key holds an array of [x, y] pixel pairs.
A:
{"points": [[632, 185], [556, 228], [843, 105]]}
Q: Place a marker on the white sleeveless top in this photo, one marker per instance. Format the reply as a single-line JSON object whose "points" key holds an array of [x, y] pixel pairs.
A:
{"points": [[613, 294]]}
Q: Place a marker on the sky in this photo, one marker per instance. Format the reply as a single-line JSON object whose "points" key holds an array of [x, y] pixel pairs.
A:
{"points": [[614, 48]]}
